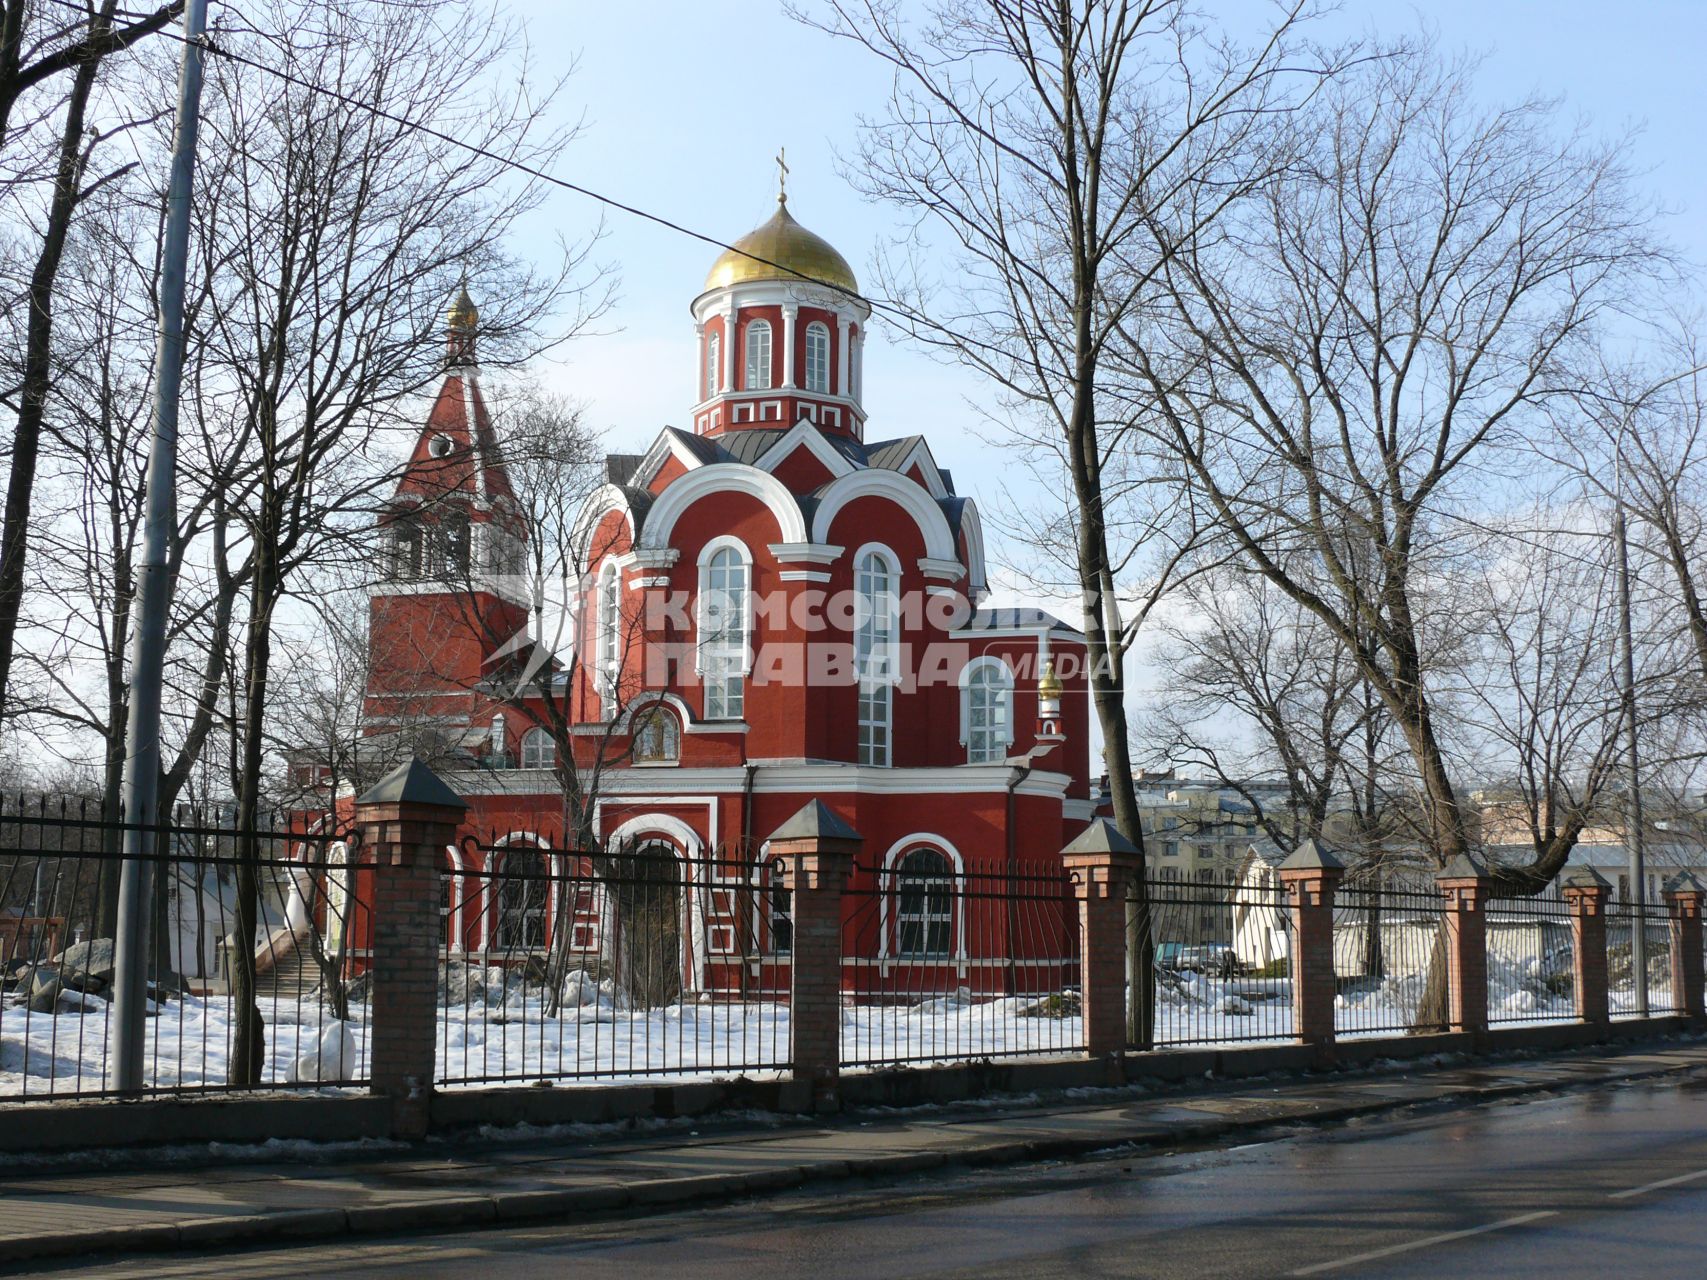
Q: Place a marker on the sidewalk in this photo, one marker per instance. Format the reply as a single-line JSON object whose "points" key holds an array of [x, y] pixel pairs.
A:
{"points": [[442, 1186]]}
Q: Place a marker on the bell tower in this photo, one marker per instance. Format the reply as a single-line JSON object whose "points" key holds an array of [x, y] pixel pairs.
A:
{"points": [[781, 328], [448, 589]]}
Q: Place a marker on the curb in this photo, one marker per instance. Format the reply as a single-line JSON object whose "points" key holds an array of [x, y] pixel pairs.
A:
{"points": [[574, 1204]]}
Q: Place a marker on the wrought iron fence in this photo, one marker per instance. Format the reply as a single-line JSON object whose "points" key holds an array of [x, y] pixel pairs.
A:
{"points": [[1531, 961], [1623, 918], [622, 964], [59, 873], [942, 962], [1390, 960], [1224, 956]]}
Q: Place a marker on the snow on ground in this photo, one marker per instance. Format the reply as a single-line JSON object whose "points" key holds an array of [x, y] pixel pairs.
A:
{"points": [[511, 1040]]}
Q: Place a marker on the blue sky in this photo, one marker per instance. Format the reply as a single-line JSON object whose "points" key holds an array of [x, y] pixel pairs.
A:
{"points": [[686, 104]]}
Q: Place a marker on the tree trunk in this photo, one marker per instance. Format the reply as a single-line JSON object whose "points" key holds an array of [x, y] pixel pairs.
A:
{"points": [[38, 362], [248, 1049]]}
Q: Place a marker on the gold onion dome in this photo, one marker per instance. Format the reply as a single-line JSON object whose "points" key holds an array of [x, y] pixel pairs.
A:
{"points": [[1048, 683], [463, 314], [794, 251]]}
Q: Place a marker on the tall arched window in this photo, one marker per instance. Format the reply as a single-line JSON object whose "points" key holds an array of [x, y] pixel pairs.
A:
{"points": [[875, 588], [538, 751], [758, 355], [924, 905], [610, 626], [986, 710], [723, 609], [522, 895], [713, 362], [817, 357]]}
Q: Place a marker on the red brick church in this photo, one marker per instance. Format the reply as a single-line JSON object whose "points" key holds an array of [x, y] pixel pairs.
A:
{"points": [[774, 607]]}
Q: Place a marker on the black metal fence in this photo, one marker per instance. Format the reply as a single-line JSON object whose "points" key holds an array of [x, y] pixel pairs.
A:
{"points": [[1390, 960], [1531, 961], [617, 965], [1224, 957], [59, 874], [942, 962], [1623, 919]]}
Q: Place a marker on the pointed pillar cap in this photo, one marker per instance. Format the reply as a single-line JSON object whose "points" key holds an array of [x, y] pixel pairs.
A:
{"points": [[1583, 878], [1465, 866], [816, 821], [1312, 855], [1685, 882], [1102, 836], [412, 783]]}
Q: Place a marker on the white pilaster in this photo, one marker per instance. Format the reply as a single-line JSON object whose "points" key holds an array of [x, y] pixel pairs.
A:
{"points": [[790, 313], [841, 355]]}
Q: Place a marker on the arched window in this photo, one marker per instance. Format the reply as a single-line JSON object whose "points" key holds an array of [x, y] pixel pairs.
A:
{"points": [[875, 590], [713, 362], [522, 896], [986, 711], [538, 750], [924, 905], [405, 550], [610, 625], [657, 736], [723, 607], [758, 355], [453, 539], [817, 357]]}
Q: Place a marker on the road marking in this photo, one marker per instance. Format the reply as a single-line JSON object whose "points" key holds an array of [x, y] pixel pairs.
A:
{"points": [[1655, 1186], [1424, 1243]]}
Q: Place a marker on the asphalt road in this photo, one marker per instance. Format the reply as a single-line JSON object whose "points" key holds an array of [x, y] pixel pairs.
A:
{"points": [[1599, 1184]]}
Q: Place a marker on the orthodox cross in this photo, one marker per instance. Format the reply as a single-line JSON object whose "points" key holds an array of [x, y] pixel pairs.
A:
{"points": [[781, 175]]}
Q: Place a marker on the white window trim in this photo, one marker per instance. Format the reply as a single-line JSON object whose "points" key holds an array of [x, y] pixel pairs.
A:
{"points": [[536, 734], [818, 388], [607, 667], [893, 563], [714, 547], [756, 329], [984, 663], [888, 893], [713, 363]]}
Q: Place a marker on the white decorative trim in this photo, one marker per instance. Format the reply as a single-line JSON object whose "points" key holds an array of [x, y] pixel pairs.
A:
{"points": [[980, 663], [950, 569], [887, 892], [921, 454], [972, 527], [667, 445], [600, 503], [1079, 810], [724, 477], [776, 777], [904, 493], [805, 433], [692, 848], [657, 557], [806, 575], [806, 552]]}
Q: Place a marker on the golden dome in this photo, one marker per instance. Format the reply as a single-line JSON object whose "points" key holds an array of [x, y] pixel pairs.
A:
{"points": [[784, 242], [463, 314], [1048, 683]]}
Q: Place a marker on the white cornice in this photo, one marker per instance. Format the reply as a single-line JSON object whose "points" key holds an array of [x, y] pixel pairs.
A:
{"points": [[806, 552]]}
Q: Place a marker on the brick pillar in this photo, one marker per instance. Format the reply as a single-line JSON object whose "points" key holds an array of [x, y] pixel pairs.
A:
{"points": [[1103, 866], [1684, 897], [1309, 878], [405, 822], [1466, 886], [1586, 893], [817, 850]]}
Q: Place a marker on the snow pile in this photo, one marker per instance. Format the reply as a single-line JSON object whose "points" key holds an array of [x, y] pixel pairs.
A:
{"points": [[334, 1056]]}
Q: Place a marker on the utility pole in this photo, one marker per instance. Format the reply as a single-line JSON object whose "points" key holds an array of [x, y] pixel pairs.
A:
{"points": [[153, 593], [1633, 807]]}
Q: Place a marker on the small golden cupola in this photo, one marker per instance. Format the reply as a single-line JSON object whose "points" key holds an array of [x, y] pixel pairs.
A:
{"points": [[461, 321], [781, 329]]}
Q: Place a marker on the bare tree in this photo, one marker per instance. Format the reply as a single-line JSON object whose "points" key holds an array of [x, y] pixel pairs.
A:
{"points": [[331, 238], [1346, 366], [1040, 137]]}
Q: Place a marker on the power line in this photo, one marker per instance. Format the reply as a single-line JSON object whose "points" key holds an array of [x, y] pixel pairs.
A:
{"points": [[904, 314]]}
